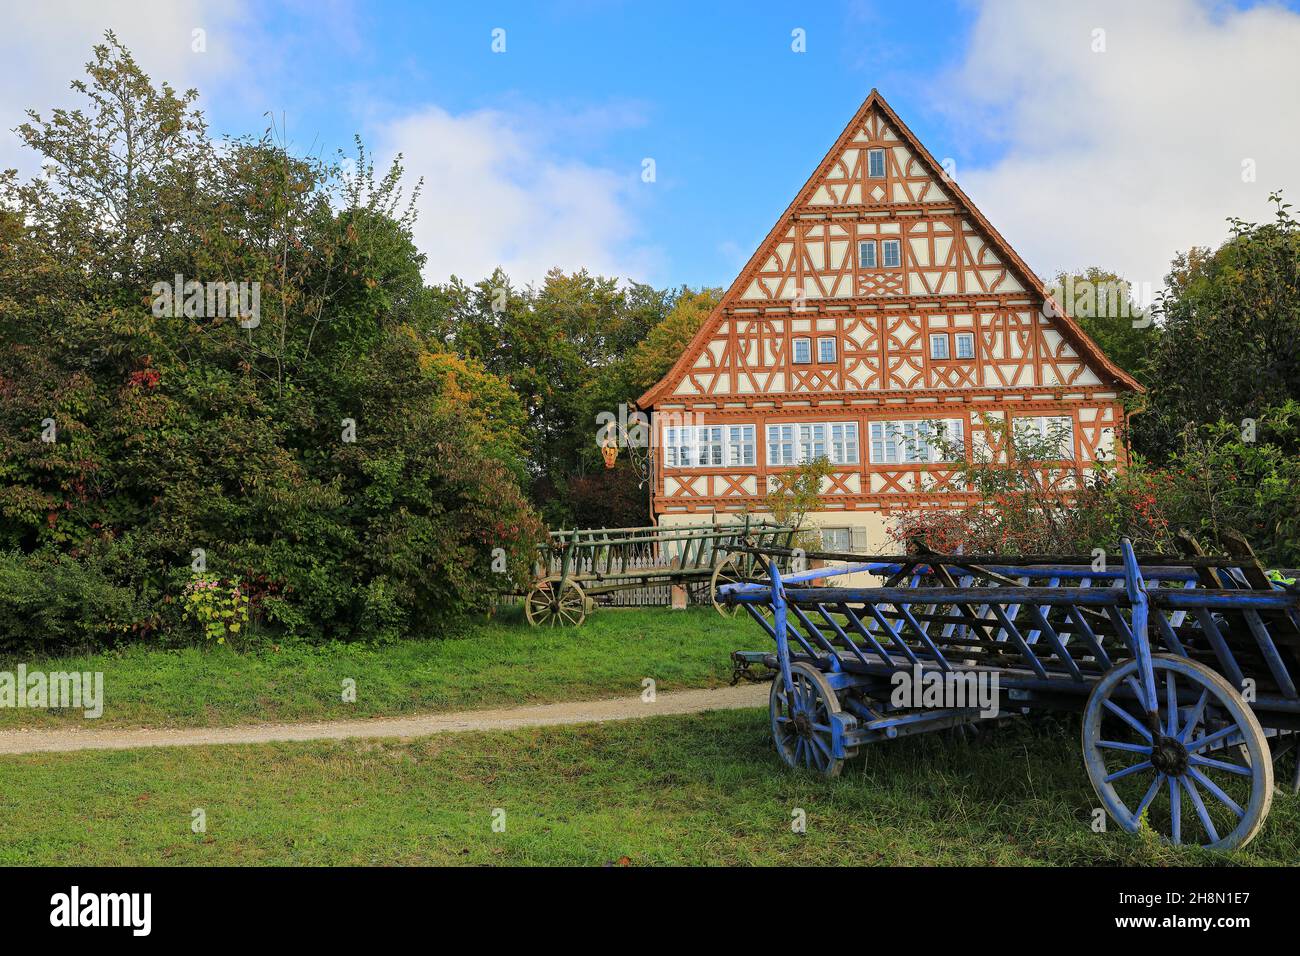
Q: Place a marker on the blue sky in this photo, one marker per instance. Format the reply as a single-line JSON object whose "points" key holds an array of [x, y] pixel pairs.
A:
{"points": [[713, 93], [533, 157]]}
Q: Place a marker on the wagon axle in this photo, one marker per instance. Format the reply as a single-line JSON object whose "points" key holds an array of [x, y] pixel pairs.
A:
{"points": [[1169, 757]]}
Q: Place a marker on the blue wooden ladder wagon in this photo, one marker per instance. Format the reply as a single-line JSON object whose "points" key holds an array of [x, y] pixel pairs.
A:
{"points": [[1185, 669]]}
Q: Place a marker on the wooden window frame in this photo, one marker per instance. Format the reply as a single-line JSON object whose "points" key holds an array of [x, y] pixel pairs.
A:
{"points": [[889, 427], [956, 348], [883, 244], [884, 162], [875, 258]]}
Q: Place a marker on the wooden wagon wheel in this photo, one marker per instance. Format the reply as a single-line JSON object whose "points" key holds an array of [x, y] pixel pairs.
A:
{"points": [[556, 602], [731, 571], [801, 722], [1188, 780]]}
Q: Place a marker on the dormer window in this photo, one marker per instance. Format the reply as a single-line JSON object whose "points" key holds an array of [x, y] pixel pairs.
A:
{"points": [[876, 163]]}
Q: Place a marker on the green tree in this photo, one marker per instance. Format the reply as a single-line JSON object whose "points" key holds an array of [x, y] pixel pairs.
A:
{"points": [[796, 492], [324, 449], [565, 349], [663, 346], [1231, 321], [1103, 305]]}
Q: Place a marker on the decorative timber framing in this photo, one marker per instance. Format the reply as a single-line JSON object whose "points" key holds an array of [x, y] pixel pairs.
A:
{"points": [[811, 278]]}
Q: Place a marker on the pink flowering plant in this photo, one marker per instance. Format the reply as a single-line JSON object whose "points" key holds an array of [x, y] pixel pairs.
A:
{"points": [[221, 609]]}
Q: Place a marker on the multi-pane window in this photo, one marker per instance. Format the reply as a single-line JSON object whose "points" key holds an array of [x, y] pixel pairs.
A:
{"points": [[812, 441], [802, 351], [837, 539], [965, 345], [826, 350], [1046, 429], [913, 442], [794, 444], [844, 443], [708, 446], [867, 254], [876, 163], [693, 446], [740, 444], [780, 444], [891, 253], [939, 345]]}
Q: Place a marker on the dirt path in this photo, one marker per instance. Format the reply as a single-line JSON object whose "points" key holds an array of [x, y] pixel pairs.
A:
{"points": [[537, 715]]}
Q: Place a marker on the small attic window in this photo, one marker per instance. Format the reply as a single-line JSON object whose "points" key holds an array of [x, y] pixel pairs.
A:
{"points": [[876, 163]]}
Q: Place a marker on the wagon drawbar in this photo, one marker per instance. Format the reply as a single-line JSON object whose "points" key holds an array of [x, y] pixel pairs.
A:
{"points": [[1185, 668]]}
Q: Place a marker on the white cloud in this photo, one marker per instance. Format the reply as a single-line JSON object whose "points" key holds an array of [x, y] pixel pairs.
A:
{"points": [[506, 186], [1123, 158], [45, 45], [499, 191]]}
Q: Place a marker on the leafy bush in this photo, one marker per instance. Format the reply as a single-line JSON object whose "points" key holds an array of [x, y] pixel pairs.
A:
{"points": [[1023, 498], [1220, 479], [329, 453], [796, 492], [1226, 478], [220, 608], [51, 600]]}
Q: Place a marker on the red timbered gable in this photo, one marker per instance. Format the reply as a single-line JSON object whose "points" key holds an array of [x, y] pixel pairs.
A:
{"points": [[880, 293]]}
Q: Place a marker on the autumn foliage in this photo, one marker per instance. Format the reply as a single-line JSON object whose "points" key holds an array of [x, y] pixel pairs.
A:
{"points": [[329, 457]]}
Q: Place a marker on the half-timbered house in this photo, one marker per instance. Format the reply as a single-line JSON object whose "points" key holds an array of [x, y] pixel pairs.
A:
{"points": [[882, 309]]}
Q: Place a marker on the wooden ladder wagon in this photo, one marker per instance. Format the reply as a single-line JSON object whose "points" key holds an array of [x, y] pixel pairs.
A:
{"points": [[580, 569], [1186, 669]]}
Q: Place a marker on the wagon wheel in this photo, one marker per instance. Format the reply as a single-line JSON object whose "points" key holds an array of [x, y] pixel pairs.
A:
{"points": [[801, 723], [556, 602], [731, 571], [1187, 780]]}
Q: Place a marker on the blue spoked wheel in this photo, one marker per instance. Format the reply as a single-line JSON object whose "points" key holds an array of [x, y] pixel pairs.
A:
{"points": [[802, 721], [1202, 777]]}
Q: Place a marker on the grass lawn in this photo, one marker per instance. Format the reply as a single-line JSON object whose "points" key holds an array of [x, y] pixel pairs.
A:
{"points": [[496, 662], [698, 789]]}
